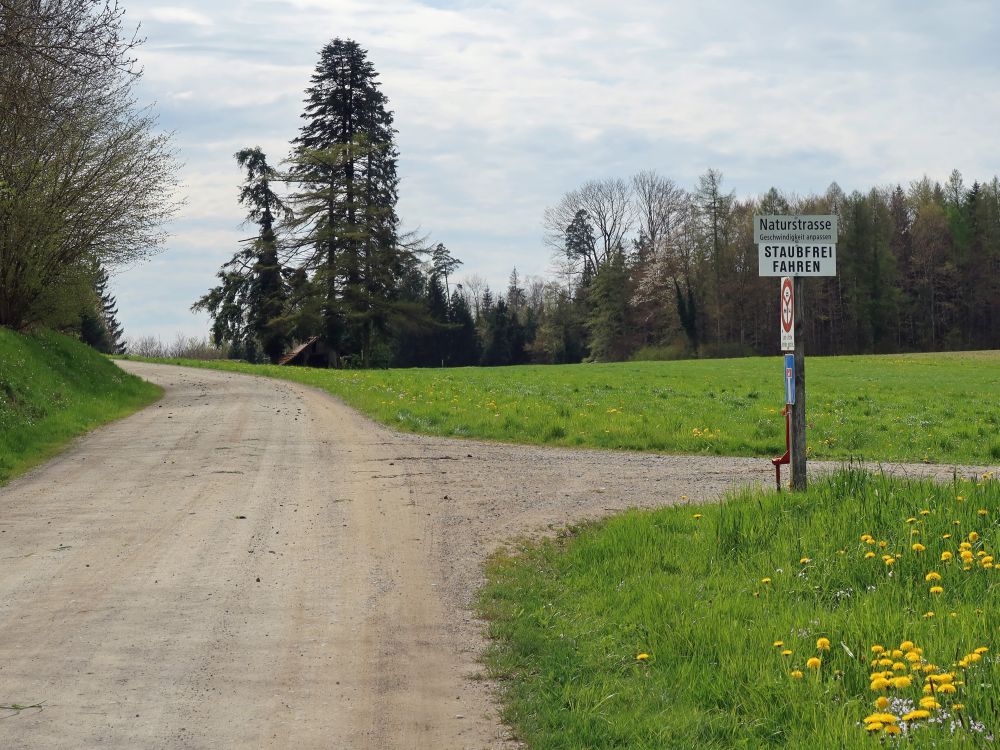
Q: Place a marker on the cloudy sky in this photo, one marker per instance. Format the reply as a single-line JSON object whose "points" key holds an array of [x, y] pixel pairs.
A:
{"points": [[504, 105]]}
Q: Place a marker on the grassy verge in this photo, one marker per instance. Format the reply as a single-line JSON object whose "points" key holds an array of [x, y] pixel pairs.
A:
{"points": [[693, 627], [926, 407], [53, 389]]}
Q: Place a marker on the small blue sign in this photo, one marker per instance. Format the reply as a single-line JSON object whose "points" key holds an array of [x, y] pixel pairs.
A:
{"points": [[790, 379]]}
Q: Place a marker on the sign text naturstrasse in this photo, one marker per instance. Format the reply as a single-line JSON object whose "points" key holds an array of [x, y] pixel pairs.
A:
{"points": [[792, 230], [796, 245]]}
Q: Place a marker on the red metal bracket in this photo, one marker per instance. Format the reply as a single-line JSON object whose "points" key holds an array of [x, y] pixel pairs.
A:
{"points": [[786, 412]]}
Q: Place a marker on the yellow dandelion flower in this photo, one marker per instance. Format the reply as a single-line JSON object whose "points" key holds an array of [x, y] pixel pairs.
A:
{"points": [[765, 580], [946, 556], [787, 652], [937, 589], [876, 649], [925, 512], [973, 536], [879, 684], [891, 729], [882, 702], [946, 689], [883, 544], [918, 547], [642, 657], [796, 674], [823, 644], [946, 536], [899, 667], [897, 653], [932, 576], [982, 650], [928, 615], [929, 703], [966, 546], [805, 560], [901, 683], [915, 715], [696, 516], [874, 726], [882, 717], [957, 706], [906, 646], [869, 555], [867, 538], [983, 512], [813, 663], [778, 644], [911, 520], [912, 657]]}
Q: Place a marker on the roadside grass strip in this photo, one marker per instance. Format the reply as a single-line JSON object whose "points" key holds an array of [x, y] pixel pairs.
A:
{"points": [[860, 614], [52, 389], [936, 408]]}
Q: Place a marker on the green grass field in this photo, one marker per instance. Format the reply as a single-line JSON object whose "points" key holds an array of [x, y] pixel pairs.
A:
{"points": [[53, 389], [923, 407], [693, 627]]}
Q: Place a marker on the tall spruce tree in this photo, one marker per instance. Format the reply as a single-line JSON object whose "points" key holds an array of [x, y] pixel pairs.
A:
{"points": [[344, 165], [249, 307]]}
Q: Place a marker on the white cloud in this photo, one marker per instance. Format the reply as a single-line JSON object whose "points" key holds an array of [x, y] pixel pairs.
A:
{"points": [[179, 15]]}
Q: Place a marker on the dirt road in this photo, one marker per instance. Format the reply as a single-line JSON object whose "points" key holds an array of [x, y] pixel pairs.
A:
{"points": [[249, 563]]}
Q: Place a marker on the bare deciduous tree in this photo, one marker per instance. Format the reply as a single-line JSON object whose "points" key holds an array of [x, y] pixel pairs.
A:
{"points": [[659, 206]]}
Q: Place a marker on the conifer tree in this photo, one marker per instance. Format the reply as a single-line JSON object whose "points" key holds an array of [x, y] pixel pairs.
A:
{"points": [[249, 307], [99, 326], [344, 166]]}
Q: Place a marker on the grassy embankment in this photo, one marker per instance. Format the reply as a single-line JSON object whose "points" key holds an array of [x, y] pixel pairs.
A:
{"points": [[693, 627], [53, 389], [941, 408]]}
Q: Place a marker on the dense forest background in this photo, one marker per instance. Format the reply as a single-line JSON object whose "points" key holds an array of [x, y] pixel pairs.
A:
{"points": [[650, 269]]}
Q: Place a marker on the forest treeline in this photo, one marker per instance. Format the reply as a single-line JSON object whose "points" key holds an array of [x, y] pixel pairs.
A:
{"points": [[647, 268], [641, 267]]}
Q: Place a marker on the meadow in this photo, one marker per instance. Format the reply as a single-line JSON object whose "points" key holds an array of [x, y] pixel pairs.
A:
{"points": [[52, 389], [860, 613], [938, 408]]}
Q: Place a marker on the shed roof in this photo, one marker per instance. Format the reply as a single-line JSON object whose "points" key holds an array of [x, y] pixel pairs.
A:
{"points": [[297, 351]]}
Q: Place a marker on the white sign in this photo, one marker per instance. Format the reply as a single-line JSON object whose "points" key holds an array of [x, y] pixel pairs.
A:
{"points": [[782, 259], [787, 315], [796, 230]]}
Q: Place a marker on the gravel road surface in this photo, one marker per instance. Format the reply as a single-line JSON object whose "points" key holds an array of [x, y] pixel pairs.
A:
{"points": [[249, 563]]}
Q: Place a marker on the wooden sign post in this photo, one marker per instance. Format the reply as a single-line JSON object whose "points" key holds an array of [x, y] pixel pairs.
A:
{"points": [[799, 407]]}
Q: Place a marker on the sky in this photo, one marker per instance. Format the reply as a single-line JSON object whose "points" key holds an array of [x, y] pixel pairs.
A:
{"points": [[503, 106]]}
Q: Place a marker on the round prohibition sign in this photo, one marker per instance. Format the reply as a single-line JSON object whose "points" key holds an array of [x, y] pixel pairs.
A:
{"points": [[787, 307]]}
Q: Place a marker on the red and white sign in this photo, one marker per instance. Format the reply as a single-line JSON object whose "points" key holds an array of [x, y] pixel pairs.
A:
{"points": [[787, 315]]}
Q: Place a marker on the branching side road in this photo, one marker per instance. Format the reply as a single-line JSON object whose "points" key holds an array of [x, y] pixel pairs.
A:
{"points": [[251, 564]]}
